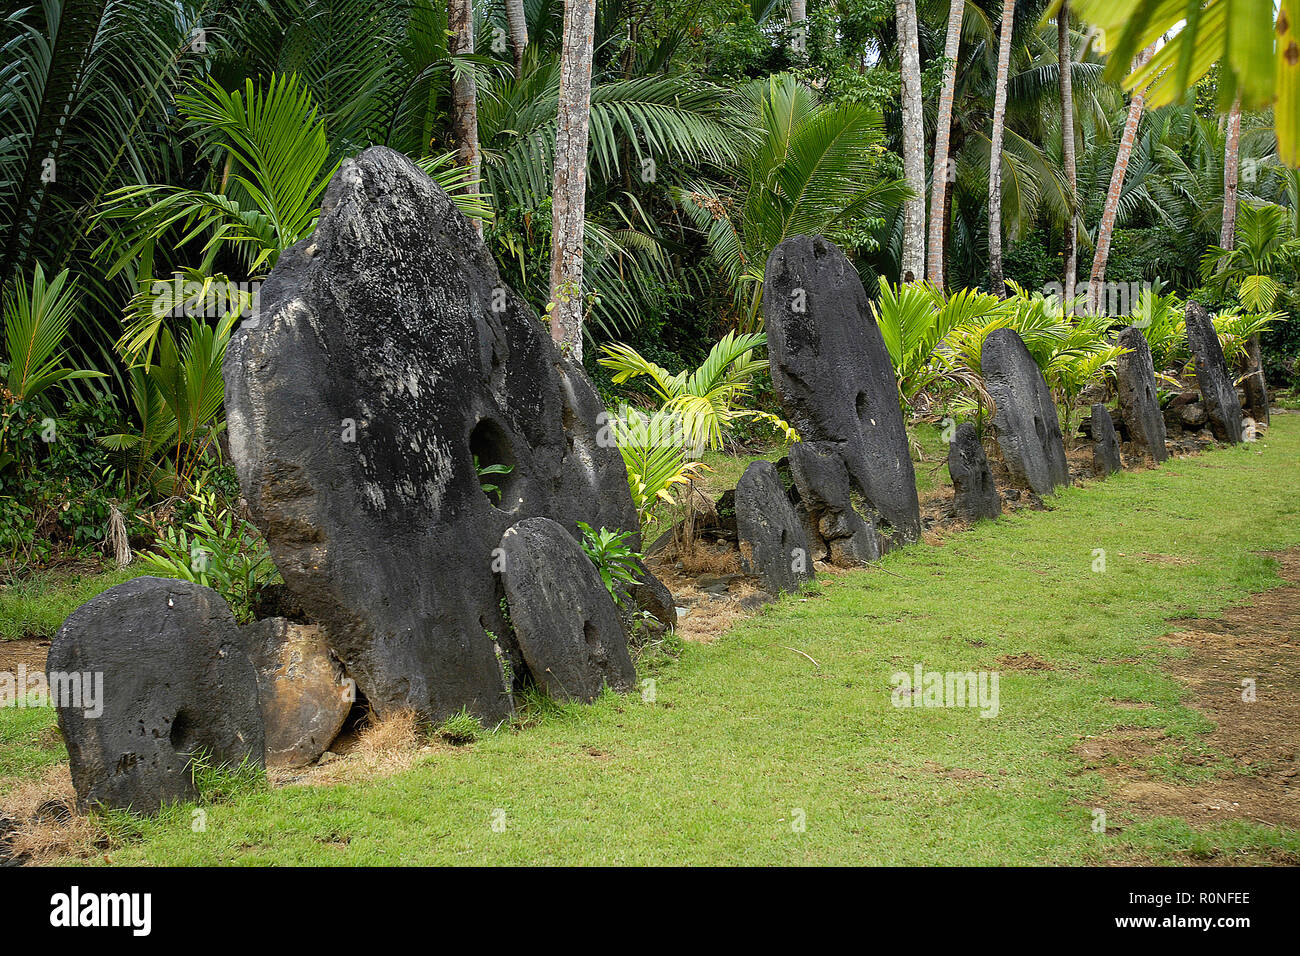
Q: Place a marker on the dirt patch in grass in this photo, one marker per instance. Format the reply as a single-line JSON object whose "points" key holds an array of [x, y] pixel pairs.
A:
{"points": [[1024, 662], [29, 652], [1252, 775]]}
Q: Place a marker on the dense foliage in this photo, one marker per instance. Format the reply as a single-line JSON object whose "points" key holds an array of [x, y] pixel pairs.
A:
{"points": [[156, 158]]}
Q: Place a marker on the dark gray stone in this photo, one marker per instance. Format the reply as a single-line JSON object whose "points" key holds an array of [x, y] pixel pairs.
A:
{"points": [[839, 532], [650, 594], [1222, 407], [1255, 385], [1139, 405], [833, 374], [388, 355], [1106, 459], [305, 693], [178, 680], [1193, 416], [772, 541], [1027, 427], [975, 492], [565, 622]]}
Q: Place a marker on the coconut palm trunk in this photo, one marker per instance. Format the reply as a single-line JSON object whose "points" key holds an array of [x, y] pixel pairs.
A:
{"points": [[464, 94], [798, 11], [1231, 177], [913, 260], [942, 138], [1106, 228], [568, 203], [518, 24], [1065, 60], [996, 280]]}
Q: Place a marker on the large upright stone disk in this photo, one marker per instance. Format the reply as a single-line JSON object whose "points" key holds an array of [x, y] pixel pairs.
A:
{"points": [[1217, 389], [835, 379], [1139, 405], [389, 358], [1027, 427]]}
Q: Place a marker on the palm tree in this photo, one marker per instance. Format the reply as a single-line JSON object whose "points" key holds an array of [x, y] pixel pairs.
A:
{"points": [[995, 152], [1106, 228], [1065, 60], [569, 195], [464, 93], [942, 136], [813, 169], [518, 23], [1231, 174], [1257, 55], [913, 136]]}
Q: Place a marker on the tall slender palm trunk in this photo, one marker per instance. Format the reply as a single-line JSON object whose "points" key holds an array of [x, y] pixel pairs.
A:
{"points": [[997, 282], [518, 24], [913, 259], [798, 11], [1106, 228], [1231, 176], [942, 137], [569, 195], [464, 94], [1065, 60]]}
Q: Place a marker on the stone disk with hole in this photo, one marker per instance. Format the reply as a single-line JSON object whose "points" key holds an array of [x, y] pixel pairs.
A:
{"points": [[177, 681], [836, 382], [564, 620], [388, 368]]}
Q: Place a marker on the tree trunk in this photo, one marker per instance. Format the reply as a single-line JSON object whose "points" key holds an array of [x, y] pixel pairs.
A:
{"points": [[942, 137], [1106, 228], [518, 24], [913, 260], [464, 95], [798, 11], [1065, 60], [568, 204], [996, 280], [1231, 176]]}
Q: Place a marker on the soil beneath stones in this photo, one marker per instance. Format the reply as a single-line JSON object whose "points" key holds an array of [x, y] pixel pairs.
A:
{"points": [[27, 651], [1253, 775]]}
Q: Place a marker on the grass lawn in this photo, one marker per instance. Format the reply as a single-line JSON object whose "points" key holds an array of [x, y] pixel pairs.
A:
{"points": [[747, 738], [37, 605]]}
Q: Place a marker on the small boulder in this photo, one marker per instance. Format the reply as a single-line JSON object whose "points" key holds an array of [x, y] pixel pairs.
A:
{"points": [[772, 541], [843, 535], [1192, 416], [305, 694], [564, 620], [1105, 446], [161, 674], [975, 492]]}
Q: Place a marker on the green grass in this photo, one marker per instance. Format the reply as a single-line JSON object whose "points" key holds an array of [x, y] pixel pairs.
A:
{"points": [[746, 736], [37, 605]]}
